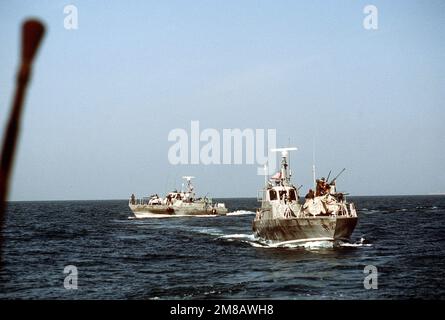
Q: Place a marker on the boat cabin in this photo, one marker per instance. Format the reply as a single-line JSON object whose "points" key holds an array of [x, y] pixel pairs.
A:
{"points": [[282, 193]]}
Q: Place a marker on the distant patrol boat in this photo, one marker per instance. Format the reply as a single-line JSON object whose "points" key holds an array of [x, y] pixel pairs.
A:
{"points": [[176, 203], [324, 216]]}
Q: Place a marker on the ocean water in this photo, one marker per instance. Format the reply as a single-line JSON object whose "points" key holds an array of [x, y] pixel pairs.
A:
{"points": [[120, 257]]}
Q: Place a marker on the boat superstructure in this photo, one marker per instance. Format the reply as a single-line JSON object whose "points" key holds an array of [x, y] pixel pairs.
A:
{"points": [[176, 203], [324, 215]]}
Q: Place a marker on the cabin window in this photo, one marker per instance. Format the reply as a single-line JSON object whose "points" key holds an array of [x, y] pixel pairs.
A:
{"points": [[283, 195], [292, 195], [272, 195]]}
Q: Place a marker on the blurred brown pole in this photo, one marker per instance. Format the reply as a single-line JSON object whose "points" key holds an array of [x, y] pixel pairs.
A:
{"points": [[32, 33]]}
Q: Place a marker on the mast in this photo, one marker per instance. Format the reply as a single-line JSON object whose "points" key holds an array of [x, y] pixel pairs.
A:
{"points": [[313, 176], [189, 184], [313, 163], [285, 178], [266, 176]]}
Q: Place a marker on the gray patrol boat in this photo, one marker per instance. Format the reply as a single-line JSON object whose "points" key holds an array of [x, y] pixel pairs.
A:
{"points": [[176, 203], [324, 216]]}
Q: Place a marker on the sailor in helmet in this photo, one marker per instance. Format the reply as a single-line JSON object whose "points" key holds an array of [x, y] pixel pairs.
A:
{"points": [[319, 190]]}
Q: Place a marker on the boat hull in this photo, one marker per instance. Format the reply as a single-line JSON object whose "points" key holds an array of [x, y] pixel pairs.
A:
{"points": [[305, 229], [143, 211]]}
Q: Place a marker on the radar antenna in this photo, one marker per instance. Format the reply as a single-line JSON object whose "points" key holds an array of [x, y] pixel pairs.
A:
{"points": [[284, 151]]}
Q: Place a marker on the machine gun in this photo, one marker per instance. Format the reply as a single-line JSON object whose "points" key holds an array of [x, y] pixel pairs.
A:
{"points": [[329, 174], [338, 175]]}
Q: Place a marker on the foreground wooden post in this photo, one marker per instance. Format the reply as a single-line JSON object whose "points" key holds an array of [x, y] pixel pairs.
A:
{"points": [[32, 34]]}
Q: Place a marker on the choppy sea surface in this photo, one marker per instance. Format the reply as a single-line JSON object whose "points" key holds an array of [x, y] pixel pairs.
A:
{"points": [[120, 257]]}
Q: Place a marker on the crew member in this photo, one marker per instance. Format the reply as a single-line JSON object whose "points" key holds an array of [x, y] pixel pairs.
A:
{"points": [[340, 197], [322, 187], [310, 194], [317, 187], [169, 199]]}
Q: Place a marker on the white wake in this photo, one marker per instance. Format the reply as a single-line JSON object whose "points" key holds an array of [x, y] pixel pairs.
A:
{"points": [[254, 241], [240, 213]]}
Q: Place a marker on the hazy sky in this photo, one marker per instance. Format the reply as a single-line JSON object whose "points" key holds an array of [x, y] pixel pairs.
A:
{"points": [[104, 98]]}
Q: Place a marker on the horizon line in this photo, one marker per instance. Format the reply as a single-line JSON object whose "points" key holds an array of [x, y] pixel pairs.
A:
{"points": [[227, 197]]}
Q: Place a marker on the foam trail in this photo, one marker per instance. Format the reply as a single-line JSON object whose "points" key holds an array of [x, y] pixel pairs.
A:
{"points": [[241, 237], [306, 245], [310, 245], [361, 243], [258, 242], [238, 236], [210, 231], [240, 213], [355, 245]]}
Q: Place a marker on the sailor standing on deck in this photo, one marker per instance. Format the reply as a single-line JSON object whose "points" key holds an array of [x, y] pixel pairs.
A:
{"points": [[310, 195], [317, 187], [320, 188], [169, 199]]}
